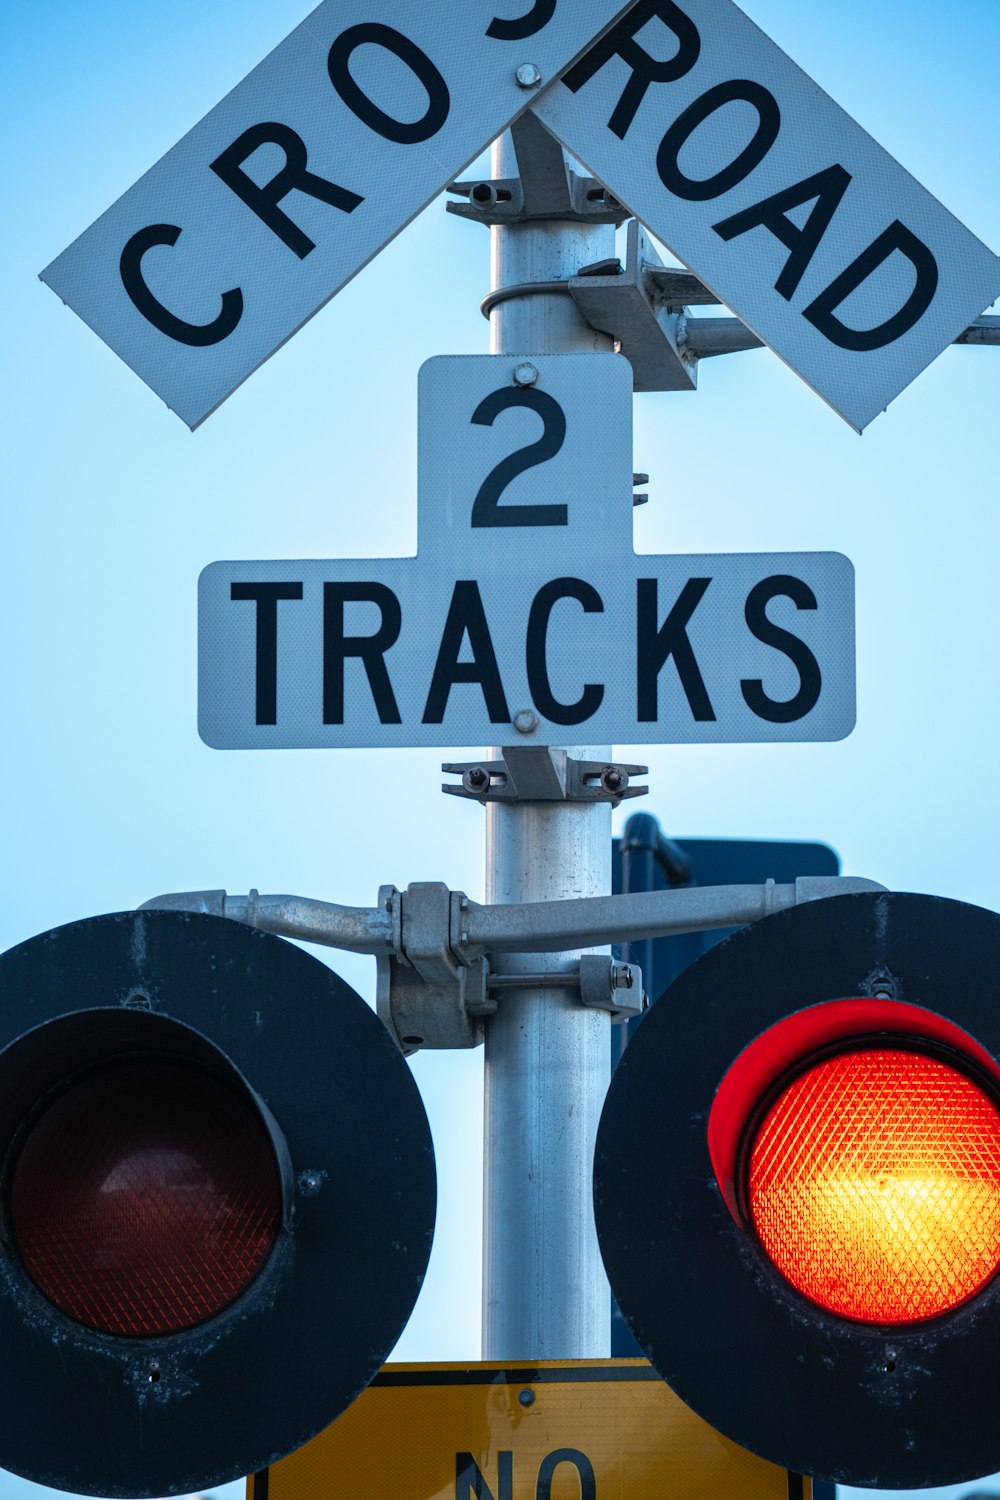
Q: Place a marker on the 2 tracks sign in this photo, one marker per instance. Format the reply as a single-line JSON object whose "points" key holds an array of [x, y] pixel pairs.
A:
{"points": [[526, 611]]}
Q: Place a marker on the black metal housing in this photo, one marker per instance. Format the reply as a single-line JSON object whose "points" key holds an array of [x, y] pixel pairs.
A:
{"points": [[882, 1407], [100, 1414]]}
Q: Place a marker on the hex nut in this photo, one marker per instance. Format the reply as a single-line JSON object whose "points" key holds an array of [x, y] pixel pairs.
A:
{"points": [[528, 76]]}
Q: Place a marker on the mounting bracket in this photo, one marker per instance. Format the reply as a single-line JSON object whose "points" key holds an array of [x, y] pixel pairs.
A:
{"points": [[546, 187], [540, 773]]}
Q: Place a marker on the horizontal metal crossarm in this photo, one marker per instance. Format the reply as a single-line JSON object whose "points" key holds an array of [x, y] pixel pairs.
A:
{"points": [[704, 337], [550, 926], [355, 929], [532, 927]]}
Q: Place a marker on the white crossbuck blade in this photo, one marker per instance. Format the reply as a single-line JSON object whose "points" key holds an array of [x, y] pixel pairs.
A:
{"points": [[300, 176], [810, 232], [797, 220]]}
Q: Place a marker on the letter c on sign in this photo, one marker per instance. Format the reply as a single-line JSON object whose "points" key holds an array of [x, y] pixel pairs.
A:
{"points": [[198, 335]]}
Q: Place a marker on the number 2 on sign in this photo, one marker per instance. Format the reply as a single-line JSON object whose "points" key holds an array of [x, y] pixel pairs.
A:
{"points": [[486, 509]]}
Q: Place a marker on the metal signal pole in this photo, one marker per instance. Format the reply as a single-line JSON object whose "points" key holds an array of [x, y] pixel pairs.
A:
{"points": [[547, 1063]]}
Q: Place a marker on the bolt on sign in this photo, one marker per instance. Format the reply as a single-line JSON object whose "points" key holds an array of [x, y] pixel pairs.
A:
{"points": [[556, 1430]]}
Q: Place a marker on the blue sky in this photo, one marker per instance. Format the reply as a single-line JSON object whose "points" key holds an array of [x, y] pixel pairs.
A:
{"points": [[113, 507]]}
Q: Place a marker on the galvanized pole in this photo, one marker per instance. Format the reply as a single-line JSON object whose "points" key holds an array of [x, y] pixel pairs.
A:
{"points": [[547, 1060]]}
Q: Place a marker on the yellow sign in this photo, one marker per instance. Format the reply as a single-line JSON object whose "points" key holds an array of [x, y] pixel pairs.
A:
{"points": [[556, 1430]]}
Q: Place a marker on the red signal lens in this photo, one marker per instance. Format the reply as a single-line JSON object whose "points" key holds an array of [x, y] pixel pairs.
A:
{"points": [[146, 1198], [873, 1183]]}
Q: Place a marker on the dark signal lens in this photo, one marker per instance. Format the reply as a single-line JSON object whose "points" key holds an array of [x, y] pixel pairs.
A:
{"points": [[145, 1198], [874, 1185]]}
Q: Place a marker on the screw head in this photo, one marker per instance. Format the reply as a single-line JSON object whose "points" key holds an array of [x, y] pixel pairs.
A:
{"points": [[526, 1397], [525, 722], [528, 76], [525, 374]]}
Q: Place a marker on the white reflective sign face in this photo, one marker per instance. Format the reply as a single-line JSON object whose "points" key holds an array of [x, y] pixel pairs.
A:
{"points": [[774, 197], [526, 597], [290, 185]]}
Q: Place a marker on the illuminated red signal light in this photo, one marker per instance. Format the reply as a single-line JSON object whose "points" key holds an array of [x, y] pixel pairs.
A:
{"points": [[797, 1189], [873, 1184], [145, 1198]]}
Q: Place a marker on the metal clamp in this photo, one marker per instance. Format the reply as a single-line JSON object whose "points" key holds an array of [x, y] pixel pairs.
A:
{"points": [[424, 995], [602, 983], [501, 201], [645, 310], [646, 331], [540, 773], [436, 993], [606, 984], [643, 307], [545, 189]]}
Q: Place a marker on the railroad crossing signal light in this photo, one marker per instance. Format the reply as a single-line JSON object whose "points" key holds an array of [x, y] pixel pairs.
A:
{"points": [[797, 1189], [216, 1202]]}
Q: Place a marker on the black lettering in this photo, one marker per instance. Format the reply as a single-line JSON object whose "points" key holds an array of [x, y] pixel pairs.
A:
{"points": [[485, 508], [549, 1464], [370, 649], [820, 313], [654, 646], [406, 132], [539, 15], [827, 188], [782, 585], [466, 617], [266, 596], [198, 335], [697, 190], [470, 1480], [620, 42], [539, 686], [292, 177]]}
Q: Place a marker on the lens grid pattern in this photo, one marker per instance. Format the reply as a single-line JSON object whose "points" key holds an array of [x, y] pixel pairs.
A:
{"points": [[146, 1198], [874, 1185]]}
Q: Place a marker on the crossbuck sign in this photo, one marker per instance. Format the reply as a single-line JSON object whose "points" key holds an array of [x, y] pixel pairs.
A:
{"points": [[794, 216], [526, 611]]}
